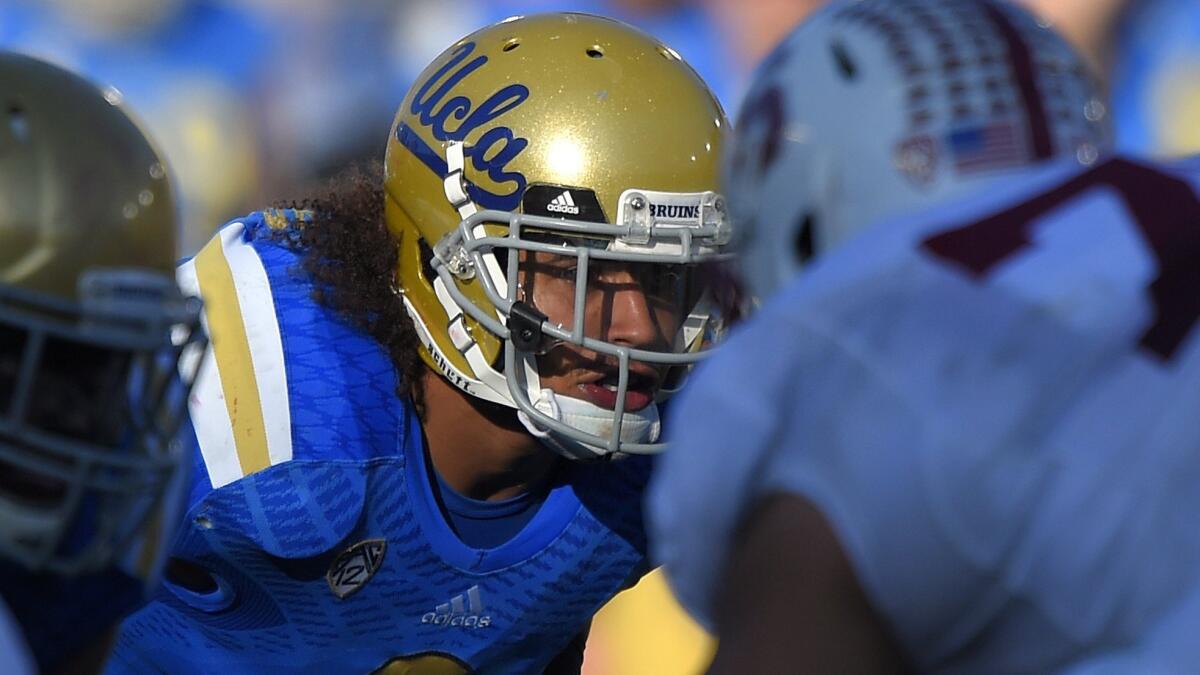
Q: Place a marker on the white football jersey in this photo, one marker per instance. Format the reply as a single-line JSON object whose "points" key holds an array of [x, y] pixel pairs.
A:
{"points": [[996, 405]]}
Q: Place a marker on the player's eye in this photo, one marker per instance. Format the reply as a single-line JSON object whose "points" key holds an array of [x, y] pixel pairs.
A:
{"points": [[664, 282], [80, 392]]}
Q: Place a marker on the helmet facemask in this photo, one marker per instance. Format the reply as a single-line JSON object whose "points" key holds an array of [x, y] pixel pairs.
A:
{"points": [[661, 242], [93, 393]]}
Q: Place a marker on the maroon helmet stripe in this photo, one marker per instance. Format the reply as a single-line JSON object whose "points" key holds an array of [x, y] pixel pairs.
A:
{"points": [[1026, 78]]}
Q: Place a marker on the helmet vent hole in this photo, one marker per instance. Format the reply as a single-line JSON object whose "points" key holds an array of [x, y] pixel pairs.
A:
{"points": [[804, 247], [427, 262], [595, 51], [511, 44], [18, 123], [845, 64]]}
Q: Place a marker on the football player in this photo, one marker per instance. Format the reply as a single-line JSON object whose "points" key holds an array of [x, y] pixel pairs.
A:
{"points": [[961, 440], [416, 379], [91, 469]]}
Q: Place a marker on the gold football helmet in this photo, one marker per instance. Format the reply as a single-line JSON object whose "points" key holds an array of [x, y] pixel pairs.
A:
{"points": [[564, 134], [90, 398]]}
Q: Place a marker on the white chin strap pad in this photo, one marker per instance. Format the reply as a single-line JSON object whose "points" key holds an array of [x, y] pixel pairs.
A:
{"points": [[640, 426]]}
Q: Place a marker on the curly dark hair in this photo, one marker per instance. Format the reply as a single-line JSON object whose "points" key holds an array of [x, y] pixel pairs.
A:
{"points": [[352, 259]]}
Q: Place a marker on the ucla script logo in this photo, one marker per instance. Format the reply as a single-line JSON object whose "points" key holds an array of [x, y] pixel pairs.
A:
{"points": [[492, 152]]}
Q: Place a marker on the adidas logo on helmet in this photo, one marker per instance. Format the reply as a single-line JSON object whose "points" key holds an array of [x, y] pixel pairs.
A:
{"points": [[563, 203]]}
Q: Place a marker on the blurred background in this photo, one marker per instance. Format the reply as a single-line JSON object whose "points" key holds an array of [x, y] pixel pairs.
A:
{"points": [[258, 100]]}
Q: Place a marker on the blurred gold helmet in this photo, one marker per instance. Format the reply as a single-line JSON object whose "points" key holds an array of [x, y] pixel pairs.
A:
{"points": [[562, 133], [90, 396]]}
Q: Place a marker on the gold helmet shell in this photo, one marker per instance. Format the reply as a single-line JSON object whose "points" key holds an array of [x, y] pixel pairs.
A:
{"points": [[544, 102], [82, 187]]}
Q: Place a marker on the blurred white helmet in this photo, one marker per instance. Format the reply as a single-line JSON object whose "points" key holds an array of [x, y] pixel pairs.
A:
{"points": [[877, 107]]}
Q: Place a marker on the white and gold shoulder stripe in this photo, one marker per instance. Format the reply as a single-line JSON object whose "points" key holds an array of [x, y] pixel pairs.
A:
{"points": [[239, 404]]}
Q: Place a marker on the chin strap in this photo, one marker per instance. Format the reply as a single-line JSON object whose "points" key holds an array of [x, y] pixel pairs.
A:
{"points": [[640, 426]]}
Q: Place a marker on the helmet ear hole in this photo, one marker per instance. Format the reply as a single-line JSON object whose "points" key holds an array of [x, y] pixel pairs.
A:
{"points": [[427, 261], [803, 244]]}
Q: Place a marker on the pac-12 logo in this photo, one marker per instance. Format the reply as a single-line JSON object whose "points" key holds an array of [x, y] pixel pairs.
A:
{"points": [[495, 148], [355, 566]]}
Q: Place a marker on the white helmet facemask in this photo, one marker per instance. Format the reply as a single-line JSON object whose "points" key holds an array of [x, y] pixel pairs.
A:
{"points": [[651, 227]]}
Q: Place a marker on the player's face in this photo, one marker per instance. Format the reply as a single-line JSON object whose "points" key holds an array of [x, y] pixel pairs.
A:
{"points": [[77, 393], [638, 305]]}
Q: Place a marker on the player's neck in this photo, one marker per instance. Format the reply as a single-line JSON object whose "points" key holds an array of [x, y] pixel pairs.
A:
{"points": [[480, 449]]}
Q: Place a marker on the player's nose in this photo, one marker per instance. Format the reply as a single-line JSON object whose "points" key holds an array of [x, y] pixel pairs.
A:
{"points": [[632, 320]]}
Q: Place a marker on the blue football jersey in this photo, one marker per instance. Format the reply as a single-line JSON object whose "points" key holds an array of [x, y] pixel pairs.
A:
{"points": [[14, 653], [313, 514]]}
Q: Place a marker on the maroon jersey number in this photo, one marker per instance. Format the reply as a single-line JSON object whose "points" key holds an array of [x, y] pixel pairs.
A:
{"points": [[1165, 211]]}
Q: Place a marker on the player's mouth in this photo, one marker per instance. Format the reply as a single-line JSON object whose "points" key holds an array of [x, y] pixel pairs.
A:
{"points": [[602, 391]]}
